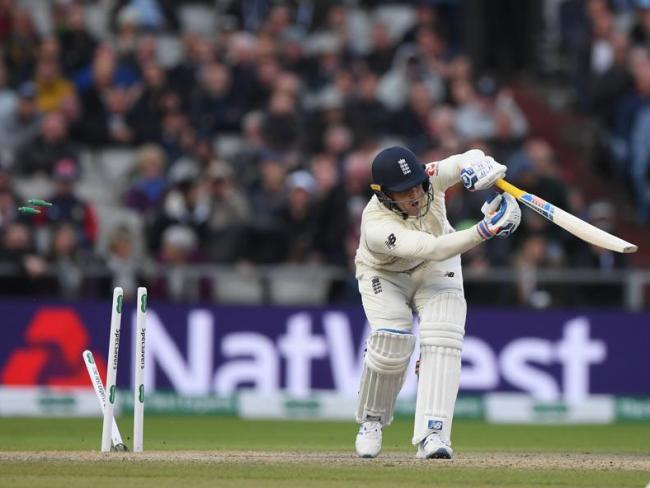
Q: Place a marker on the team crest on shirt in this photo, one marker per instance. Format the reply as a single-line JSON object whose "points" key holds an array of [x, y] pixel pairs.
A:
{"points": [[390, 241], [403, 166]]}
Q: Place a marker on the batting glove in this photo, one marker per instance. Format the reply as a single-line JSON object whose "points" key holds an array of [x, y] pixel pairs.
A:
{"points": [[502, 216], [482, 173]]}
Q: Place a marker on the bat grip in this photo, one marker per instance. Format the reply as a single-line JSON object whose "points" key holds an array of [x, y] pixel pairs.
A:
{"points": [[509, 188]]}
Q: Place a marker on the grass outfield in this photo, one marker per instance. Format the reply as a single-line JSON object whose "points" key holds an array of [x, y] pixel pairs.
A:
{"points": [[219, 451]]}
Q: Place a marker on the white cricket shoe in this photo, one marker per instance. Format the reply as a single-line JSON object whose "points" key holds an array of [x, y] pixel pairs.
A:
{"points": [[433, 447], [368, 442]]}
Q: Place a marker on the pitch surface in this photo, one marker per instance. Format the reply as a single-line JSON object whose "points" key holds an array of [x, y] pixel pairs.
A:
{"points": [[218, 451]]}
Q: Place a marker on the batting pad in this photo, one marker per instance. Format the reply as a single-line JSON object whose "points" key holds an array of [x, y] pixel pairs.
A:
{"points": [[441, 339], [387, 356]]}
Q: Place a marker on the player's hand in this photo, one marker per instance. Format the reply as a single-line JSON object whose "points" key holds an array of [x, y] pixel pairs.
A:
{"points": [[482, 173], [502, 216]]}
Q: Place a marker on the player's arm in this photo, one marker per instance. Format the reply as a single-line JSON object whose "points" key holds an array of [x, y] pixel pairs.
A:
{"points": [[502, 217], [476, 170]]}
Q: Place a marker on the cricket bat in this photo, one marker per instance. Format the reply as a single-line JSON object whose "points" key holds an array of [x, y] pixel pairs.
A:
{"points": [[568, 222]]}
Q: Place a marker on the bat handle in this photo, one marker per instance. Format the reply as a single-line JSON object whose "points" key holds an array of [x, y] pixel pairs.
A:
{"points": [[509, 188]]}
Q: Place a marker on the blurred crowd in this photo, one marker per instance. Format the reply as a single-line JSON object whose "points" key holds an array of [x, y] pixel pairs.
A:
{"points": [[253, 146], [606, 45]]}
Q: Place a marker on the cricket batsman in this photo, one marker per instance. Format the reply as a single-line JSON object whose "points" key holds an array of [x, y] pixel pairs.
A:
{"points": [[408, 261]]}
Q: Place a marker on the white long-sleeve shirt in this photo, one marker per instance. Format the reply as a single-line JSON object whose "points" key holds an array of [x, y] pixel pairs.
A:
{"points": [[390, 243]]}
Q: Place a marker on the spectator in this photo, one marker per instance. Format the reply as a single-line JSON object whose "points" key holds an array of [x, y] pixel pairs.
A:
{"points": [[337, 142], [8, 98], [214, 106], [330, 212], [21, 46], [596, 55], [278, 19], [77, 43], [640, 31], [366, 115], [626, 114], [345, 84], [433, 50], [605, 85], [426, 17], [533, 255], [69, 208], [280, 126], [294, 58], [23, 125], [104, 71], [52, 145], [540, 175], [8, 198], [72, 112], [149, 185], [149, 15], [289, 84], [173, 126], [380, 58], [144, 53], [408, 68], [442, 133], [17, 254], [640, 164], [326, 48], [266, 74], [241, 58], [267, 194], [197, 51], [356, 180], [67, 260], [296, 217], [247, 158], [200, 148], [126, 37], [489, 112], [267, 197], [7, 8], [329, 111], [229, 215], [124, 264], [120, 126], [106, 100], [179, 249], [412, 121], [51, 87], [177, 136], [147, 111], [185, 203]]}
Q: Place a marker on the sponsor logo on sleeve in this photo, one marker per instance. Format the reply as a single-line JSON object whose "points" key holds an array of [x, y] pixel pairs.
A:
{"points": [[376, 285], [391, 241]]}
